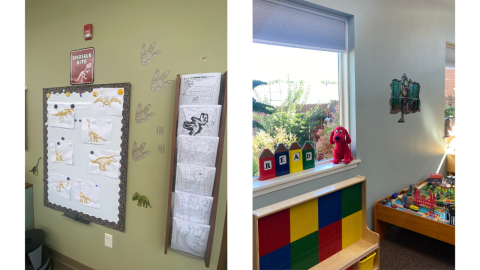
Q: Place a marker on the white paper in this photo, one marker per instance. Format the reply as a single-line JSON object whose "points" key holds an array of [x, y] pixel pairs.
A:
{"points": [[60, 185], [195, 179], [191, 207], [62, 151], [63, 116], [199, 120], [201, 151], [86, 193], [200, 89], [96, 131], [107, 101], [104, 162], [190, 237]]}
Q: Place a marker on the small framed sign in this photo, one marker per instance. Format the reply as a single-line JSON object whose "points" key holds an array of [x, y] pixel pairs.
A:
{"points": [[82, 62]]}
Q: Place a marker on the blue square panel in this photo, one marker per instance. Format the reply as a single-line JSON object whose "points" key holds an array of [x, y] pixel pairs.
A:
{"points": [[329, 209], [277, 259]]}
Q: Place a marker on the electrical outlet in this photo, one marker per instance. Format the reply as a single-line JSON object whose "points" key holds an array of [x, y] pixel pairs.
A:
{"points": [[108, 240]]}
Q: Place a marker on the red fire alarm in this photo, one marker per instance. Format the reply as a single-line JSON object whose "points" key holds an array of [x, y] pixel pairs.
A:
{"points": [[88, 31]]}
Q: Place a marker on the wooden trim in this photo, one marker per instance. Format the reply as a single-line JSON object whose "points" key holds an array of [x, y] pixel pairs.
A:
{"points": [[348, 256], [172, 163], [55, 255], [222, 259], [218, 173], [431, 228], [256, 259], [27, 185], [277, 207]]}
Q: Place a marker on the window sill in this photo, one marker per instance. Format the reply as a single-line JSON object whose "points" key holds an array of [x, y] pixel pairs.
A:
{"points": [[320, 170]]}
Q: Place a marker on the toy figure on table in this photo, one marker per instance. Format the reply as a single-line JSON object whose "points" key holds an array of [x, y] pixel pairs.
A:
{"points": [[341, 139]]}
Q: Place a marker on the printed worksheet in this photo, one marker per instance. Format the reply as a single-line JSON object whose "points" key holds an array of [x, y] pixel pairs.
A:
{"points": [[96, 131], [60, 184], [195, 179], [107, 101], [191, 207], [200, 151], [86, 193], [61, 115], [190, 237], [61, 151], [199, 120], [200, 89], [104, 162]]}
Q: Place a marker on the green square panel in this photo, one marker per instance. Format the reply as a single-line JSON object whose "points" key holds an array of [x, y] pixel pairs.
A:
{"points": [[304, 252], [351, 200]]}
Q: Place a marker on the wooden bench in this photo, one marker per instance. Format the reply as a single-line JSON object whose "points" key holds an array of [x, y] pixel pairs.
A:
{"points": [[322, 229]]}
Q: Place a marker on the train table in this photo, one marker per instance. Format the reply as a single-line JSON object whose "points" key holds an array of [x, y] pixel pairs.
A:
{"points": [[429, 210]]}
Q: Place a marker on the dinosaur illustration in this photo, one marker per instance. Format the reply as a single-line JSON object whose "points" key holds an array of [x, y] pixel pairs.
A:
{"points": [[59, 157], [158, 82], [63, 113], [83, 74], [195, 126], [83, 199], [142, 200], [34, 170], [143, 115], [92, 135], [137, 153], [102, 161], [60, 185], [147, 56], [106, 101]]}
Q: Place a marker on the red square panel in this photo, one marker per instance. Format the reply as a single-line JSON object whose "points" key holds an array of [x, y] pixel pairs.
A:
{"points": [[274, 232], [329, 240]]}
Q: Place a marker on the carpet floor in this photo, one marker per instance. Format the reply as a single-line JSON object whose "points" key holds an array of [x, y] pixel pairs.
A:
{"points": [[404, 249]]}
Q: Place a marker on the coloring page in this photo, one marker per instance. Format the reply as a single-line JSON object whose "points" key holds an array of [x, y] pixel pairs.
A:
{"points": [[191, 207], [190, 237], [61, 115], [107, 101], [104, 162], [201, 151], [199, 120], [194, 179], [86, 193], [200, 89], [62, 151], [60, 185], [96, 131]]}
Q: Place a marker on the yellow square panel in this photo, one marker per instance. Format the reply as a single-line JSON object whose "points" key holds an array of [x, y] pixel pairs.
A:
{"points": [[303, 219], [351, 229]]}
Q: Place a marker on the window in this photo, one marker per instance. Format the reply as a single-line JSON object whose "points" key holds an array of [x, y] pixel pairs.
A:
{"points": [[297, 60], [450, 84]]}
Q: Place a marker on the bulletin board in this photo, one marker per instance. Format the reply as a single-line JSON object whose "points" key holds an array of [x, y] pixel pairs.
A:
{"points": [[107, 203]]}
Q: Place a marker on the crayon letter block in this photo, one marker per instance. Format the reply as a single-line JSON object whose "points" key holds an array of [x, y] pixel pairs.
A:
{"points": [[266, 164], [296, 163]]}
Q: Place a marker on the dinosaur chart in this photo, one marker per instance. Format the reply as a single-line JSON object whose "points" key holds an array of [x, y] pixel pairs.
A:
{"points": [[62, 151], [200, 151], [61, 115], [86, 193], [190, 237], [199, 120], [195, 179], [61, 184], [87, 160], [108, 101], [96, 131], [200, 89], [191, 207], [104, 162]]}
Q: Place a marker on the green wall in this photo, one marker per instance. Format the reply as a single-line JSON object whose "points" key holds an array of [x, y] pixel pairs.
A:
{"points": [[184, 31], [29, 209], [390, 38]]}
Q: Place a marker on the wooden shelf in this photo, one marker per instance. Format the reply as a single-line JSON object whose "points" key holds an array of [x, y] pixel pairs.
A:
{"points": [[344, 258], [27, 185]]}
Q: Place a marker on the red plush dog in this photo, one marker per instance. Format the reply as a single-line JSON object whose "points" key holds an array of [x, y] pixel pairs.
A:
{"points": [[341, 138]]}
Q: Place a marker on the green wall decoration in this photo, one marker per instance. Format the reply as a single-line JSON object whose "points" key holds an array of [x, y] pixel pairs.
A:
{"points": [[184, 30], [142, 200], [34, 170], [405, 97]]}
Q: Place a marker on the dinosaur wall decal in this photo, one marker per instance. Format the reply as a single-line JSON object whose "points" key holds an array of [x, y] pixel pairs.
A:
{"points": [[34, 170], [106, 101], [142, 200], [148, 55], [143, 115], [102, 161], [137, 153], [63, 113], [158, 82], [92, 135]]}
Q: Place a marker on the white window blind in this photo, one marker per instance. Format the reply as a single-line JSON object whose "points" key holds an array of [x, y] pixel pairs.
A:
{"points": [[450, 57], [287, 24]]}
